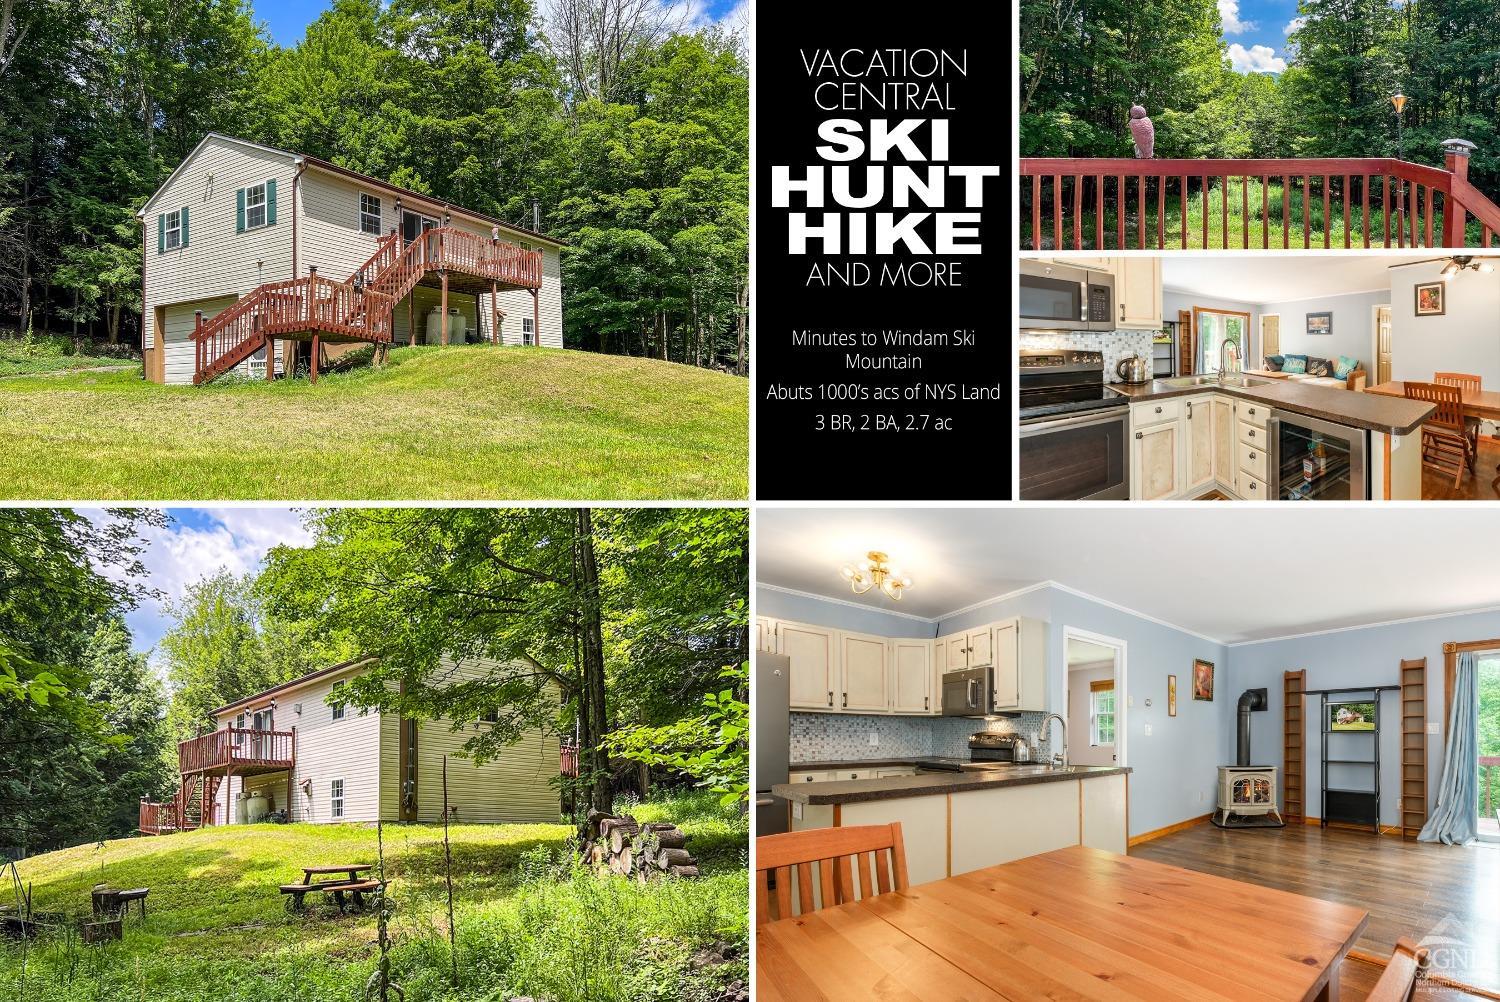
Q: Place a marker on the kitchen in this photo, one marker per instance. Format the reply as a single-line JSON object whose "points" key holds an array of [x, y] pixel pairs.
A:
{"points": [[1119, 400]]}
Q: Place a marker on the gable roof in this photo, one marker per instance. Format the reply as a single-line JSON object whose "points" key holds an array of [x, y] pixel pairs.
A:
{"points": [[289, 685], [328, 167]]}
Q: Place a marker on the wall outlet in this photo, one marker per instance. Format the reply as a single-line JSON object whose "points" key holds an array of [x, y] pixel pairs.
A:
{"points": [[874, 739], [1148, 730], [1432, 727], [1202, 796]]}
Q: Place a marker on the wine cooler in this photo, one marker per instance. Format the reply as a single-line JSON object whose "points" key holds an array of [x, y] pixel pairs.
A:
{"points": [[1314, 460]]}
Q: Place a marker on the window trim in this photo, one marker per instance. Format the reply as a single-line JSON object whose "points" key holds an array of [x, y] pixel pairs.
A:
{"points": [[173, 231], [528, 331], [264, 206], [338, 707], [1097, 689], [336, 801], [378, 214]]}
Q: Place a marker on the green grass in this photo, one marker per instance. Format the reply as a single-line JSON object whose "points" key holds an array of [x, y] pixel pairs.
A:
{"points": [[476, 422], [527, 924], [29, 355]]}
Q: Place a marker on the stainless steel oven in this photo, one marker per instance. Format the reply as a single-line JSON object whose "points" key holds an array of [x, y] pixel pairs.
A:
{"points": [[1315, 460], [1059, 298], [968, 693]]}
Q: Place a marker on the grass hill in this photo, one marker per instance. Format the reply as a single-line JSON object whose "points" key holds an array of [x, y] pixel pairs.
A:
{"points": [[528, 924], [458, 423]]}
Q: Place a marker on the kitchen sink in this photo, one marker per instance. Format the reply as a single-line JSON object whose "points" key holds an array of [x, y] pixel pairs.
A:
{"points": [[1241, 381]]}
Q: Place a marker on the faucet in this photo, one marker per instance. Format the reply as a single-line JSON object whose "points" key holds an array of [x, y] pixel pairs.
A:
{"points": [[1059, 759], [1228, 356]]}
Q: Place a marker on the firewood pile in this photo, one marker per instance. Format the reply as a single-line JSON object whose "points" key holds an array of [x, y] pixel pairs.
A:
{"points": [[632, 849]]}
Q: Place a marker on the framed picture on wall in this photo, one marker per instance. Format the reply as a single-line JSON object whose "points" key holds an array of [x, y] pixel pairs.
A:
{"points": [[1320, 323], [1203, 680], [1171, 695], [1432, 299]]}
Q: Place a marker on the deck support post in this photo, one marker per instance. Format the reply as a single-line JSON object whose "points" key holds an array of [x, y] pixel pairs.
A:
{"points": [[443, 274], [494, 312], [312, 365], [270, 359], [536, 319], [411, 330], [1456, 162], [198, 345]]}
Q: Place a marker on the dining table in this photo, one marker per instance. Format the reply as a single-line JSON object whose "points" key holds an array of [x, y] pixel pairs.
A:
{"points": [[1076, 923], [1481, 404]]}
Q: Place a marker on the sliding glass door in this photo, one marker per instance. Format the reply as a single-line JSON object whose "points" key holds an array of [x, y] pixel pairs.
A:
{"points": [[1487, 745]]}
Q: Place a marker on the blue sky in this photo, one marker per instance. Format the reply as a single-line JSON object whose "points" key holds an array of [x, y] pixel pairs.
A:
{"points": [[287, 20], [198, 542], [1256, 31]]}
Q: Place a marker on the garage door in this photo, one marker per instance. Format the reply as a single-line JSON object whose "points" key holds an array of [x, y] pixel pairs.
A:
{"points": [[178, 327]]}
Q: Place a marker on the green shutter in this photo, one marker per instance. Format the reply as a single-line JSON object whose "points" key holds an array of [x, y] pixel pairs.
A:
{"points": [[239, 210], [184, 226], [161, 233], [271, 202]]}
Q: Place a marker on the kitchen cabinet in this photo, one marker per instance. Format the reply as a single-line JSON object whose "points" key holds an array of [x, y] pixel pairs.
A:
{"points": [[765, 634], [1021, 664], [1224, 446], [863, 676], [900, 770], [1137, 292], [814, 659], [956, 652], [1198, 441], [1007, 667], [1155, 461], [911, 676], [973, 649]]}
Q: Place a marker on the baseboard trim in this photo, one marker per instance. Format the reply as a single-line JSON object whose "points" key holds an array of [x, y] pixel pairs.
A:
{"points": [[1136, 840], [1365, 957], [1386, 830]]}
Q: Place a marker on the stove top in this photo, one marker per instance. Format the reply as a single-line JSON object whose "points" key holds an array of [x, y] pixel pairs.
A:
{"points": [[1063, 381]]}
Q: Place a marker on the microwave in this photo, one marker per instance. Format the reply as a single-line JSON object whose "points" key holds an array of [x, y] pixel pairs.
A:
{"points": [[1057, 297], [969, 692]]}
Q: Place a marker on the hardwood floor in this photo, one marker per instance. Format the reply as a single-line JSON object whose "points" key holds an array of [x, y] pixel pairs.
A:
{"points": [[1475, 487], [1410, 889]]}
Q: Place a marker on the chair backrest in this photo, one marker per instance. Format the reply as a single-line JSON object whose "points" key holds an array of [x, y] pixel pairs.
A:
{"points": [[833, 853], [1450, 408], [1357, 380], [1399, 982], [1466, 382]]}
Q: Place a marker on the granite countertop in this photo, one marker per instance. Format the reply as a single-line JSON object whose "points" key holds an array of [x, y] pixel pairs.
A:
{"points": [[934, 784], [864, 763], [1370, 411]]}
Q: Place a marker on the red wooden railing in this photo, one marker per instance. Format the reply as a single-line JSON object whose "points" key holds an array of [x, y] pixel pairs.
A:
{"points": [[157, 818], [362, 306], [236, 746], [1065, 203]]}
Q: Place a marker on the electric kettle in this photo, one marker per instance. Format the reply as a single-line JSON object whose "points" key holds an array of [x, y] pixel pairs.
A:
{"points": [[1133, 370]]}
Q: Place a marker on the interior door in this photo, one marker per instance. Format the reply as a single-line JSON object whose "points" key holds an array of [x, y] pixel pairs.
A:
{"points": [[1382, 344], [1270, 335]]}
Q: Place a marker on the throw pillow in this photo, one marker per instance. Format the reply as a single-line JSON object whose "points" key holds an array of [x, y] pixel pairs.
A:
{"points": [[1317, 366], [1295, 365], [1273, 362], [1345, 366]]}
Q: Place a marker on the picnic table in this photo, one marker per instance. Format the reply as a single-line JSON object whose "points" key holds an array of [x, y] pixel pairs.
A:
{"points": [[352, 883]]}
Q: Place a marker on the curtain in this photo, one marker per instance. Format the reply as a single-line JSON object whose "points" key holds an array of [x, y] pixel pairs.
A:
{"points": [[1455, 820]]}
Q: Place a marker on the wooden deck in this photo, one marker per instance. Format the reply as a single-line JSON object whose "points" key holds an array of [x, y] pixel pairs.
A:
{"points": [[238, 751]]}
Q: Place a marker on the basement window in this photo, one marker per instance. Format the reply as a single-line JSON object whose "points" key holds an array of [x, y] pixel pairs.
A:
{"points": [[173, 238], [369, 214], [528, 331], [255, 206], [336, 798], [1102, 712]]}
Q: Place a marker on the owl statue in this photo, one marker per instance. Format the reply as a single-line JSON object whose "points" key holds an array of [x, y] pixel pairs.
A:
{"points": [[1142, 131]]}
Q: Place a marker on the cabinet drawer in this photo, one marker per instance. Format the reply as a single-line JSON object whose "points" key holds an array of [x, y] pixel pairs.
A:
{"points": [[1155, 411], [1253, 461], [807, 777], [1250, 488], [838, 774], [1251, 435], [1255, 414]]}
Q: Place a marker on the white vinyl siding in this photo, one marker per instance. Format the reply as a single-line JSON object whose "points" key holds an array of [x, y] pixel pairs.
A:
{"points": [[221, 261], [178, 330], [329, 749], [328, 226], [424, 299], [369, 214], [517, 303]]}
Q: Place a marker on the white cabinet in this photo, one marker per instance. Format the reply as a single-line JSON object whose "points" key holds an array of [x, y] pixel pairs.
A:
{"points": [[1224, 445], [1020, 664], [899, 770], [956, 652], [1198, 443], [972, 649], [1181, 446], [1137, 292], [911, 676], [1007, 666], [814, 664], [765, 635], [863, 678], [1156, 461]]}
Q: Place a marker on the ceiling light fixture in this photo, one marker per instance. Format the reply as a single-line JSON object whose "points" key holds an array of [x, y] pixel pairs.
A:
{"points": [[875, 571], [1463, 262]]}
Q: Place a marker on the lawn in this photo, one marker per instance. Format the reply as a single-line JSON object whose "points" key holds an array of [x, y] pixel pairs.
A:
{"points": [[29, 355], [216, 928], [468, 423]]}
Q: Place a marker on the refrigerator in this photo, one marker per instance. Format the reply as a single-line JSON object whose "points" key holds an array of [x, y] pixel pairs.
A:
{"points": [[770, 715]]}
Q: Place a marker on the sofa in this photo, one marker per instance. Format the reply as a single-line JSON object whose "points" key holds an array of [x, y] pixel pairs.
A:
{"points": [[1314, 370]]}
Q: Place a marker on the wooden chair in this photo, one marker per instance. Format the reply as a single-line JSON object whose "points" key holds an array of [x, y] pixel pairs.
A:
{"points": [[833, 851], [1356, 380], [1466, 382], [1445, 443], [1399, 982]]}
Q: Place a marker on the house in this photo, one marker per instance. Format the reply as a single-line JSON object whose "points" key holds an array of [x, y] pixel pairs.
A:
{"points": [[290, 748], [282, 249]]}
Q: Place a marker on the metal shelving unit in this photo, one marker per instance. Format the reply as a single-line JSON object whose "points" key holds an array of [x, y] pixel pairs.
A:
{"points": [[1351, 806]]}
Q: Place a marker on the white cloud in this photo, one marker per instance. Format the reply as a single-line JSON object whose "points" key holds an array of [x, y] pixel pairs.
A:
{"points": [[1294, 24], [1229, 17], [1256, 59]]}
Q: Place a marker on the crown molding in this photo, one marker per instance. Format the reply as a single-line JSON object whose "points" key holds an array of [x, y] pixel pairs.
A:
{"points": [[841, 601]]}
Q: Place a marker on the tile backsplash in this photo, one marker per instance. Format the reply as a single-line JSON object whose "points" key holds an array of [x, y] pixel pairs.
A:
{"points": [[1115, 345], [845, 737]]}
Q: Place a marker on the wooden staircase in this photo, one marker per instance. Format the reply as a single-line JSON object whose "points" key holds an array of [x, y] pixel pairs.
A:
{"points": [[360, 308]]}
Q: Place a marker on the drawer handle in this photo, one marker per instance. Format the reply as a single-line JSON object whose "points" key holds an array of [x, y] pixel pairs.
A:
{"points": [[1158, 410], [1252, 455], [1251, 433], [830, 697], [846, 701], [1190, 410], [1252, 485], [1140, 434], [1252, 411]]}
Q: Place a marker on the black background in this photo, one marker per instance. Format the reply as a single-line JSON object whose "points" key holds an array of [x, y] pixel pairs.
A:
{"points": [[795, 461]]}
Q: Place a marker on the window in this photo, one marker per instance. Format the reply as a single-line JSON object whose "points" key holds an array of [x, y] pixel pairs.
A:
{"points": [[490, 717], [528, 333], [1102, 712], [255, 206], [174, 230], [1214, 328], [338, 702], [239, 722], [336, 798], [369, 214]]}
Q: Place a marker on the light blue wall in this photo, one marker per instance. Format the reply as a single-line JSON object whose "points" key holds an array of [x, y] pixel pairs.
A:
{"points": [[1351, 335], [835, 615], [1369, 656], [1172, 301]]}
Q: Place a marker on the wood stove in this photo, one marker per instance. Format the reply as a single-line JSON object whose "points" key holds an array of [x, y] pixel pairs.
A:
{"points": [[1247, 793]]}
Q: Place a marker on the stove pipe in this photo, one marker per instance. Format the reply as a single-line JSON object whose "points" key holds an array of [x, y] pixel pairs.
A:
{"points": [[1250, 699]]}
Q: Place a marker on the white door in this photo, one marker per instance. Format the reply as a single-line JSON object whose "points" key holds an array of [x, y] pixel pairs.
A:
{"points": [[1270, 337], [1154, 452], [958, 652], [981, 648], [863, 660], [812, 653], [911, 676], [1007, 666], [1200, 441]]}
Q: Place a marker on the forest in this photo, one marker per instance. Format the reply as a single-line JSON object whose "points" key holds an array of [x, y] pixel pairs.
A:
{"points": [[1084, 64], [627, 128]]}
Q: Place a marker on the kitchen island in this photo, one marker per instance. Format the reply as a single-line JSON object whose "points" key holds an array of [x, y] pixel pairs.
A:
{"points": [[955, 822]]}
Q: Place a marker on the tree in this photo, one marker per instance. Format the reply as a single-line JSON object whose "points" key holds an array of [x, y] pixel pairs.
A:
{"points": [[129, 698]]}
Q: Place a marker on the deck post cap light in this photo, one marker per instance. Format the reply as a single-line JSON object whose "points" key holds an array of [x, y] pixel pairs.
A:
{"points": [[1457, 147]]}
